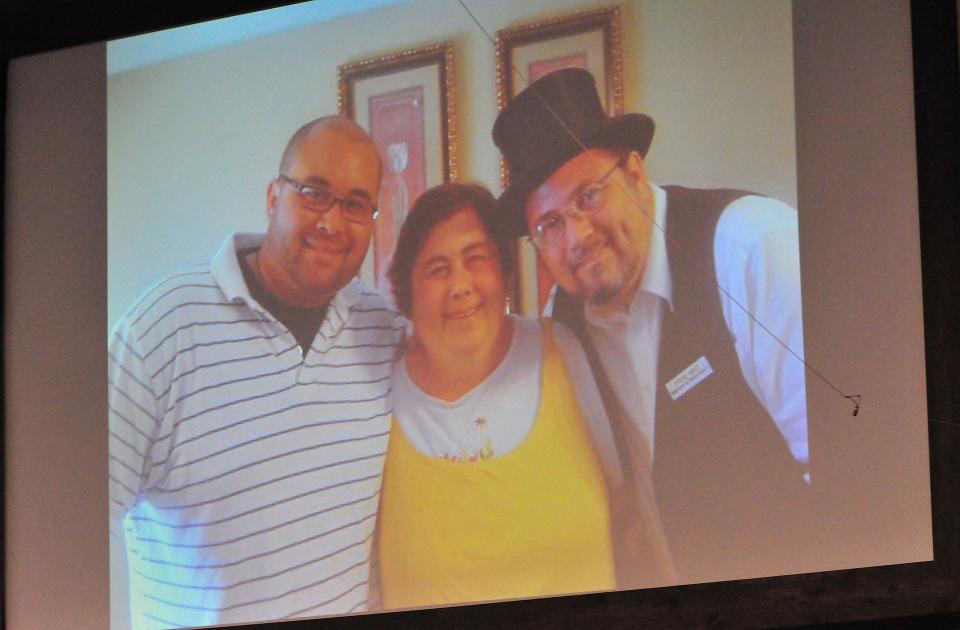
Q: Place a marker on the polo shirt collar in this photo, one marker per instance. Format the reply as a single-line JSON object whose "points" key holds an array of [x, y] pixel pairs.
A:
{"points": [[226, 268], [227, 273]]}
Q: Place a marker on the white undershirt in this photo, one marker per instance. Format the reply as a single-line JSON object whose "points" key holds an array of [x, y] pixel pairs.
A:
{"points": [[491, 419], [508, 401]]}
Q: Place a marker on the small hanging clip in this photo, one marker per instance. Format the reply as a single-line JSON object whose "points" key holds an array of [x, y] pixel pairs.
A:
{"points": [[856, 398]]}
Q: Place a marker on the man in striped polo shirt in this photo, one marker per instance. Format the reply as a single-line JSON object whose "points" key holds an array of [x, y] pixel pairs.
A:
{"points": [[249, 411]]}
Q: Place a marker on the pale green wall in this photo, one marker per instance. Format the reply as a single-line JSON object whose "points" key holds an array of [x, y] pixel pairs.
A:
{"points": [[193, 142]]}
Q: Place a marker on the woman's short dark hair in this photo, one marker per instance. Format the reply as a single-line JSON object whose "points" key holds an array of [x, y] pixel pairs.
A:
{"points": [[429, 210]]}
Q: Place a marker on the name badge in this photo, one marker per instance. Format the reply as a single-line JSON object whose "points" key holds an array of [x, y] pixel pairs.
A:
{"points": [[684, 381]]}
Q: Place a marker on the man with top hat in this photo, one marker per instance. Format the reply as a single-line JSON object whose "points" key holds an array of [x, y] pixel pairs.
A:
{"points": [[687, 302]]}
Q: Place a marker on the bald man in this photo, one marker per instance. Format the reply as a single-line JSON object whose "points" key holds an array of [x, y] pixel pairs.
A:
{"points": [[248, 407]]}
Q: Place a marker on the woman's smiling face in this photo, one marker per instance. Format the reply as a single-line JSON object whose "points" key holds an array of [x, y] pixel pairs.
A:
{"points": [[458, 290]]}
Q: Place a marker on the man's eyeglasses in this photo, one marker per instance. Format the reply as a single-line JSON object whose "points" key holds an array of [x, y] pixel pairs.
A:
{"points": [[320, 199], [550, 228]]}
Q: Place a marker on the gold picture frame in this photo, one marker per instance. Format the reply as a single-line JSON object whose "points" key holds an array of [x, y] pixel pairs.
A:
{"points": [[406, 101], [590, 40]]}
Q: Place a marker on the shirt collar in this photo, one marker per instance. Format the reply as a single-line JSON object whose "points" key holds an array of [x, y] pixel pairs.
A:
{"points": [[656, 274], [226, 268], [226, 272]]}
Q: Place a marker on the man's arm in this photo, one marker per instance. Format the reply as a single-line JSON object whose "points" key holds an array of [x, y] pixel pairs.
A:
{"points": [[590, 401], [133, 423], [757, 257], [119, 585], [641, 550]]}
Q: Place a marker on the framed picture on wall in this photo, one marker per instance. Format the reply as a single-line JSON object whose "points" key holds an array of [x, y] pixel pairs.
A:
{"points": [[405, 101], [526, 52]]}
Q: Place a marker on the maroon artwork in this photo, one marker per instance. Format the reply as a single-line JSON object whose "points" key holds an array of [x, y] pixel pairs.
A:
{"points": [[396, 126], [537, 69]]}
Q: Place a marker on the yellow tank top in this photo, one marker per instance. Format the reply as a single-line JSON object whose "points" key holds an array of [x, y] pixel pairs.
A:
{"points": [[529, 523]]}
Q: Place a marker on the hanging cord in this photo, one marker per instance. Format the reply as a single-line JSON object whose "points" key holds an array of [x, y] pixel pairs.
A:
{"points": [[855, 399]]}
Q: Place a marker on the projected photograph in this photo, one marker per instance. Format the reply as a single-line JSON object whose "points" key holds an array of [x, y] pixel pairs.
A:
{"points": [[335, 387]]}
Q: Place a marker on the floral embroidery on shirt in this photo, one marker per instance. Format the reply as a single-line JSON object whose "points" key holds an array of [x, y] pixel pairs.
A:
{"points": [[475, 445]]}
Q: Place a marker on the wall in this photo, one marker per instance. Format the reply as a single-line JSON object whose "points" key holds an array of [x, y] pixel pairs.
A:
{"points": [[193, 142]]}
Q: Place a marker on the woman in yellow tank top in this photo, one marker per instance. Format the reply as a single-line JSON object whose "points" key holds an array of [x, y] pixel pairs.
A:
{"points": [[493, 487]]}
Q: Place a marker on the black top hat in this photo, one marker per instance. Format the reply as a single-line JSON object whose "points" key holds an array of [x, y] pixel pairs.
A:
{"points": [[554, 119]]}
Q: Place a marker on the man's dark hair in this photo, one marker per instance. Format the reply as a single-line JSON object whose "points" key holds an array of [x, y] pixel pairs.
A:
{"points": [[432, 208]]}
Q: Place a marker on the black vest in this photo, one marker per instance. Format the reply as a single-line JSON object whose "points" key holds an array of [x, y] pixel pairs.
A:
{"points": [[732, 498]]}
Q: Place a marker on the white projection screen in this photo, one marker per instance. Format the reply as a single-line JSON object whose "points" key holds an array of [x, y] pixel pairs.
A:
{"points": [[127, 161]]}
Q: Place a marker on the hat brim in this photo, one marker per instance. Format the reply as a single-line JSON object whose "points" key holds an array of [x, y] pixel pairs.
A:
{"points": [[628, 131]]}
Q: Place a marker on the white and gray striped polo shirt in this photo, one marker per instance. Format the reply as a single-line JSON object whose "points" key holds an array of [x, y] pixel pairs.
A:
{"points": [[245, 474]]}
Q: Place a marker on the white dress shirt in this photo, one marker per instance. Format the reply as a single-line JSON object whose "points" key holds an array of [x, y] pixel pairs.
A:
{"points": [[757, 260]]}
